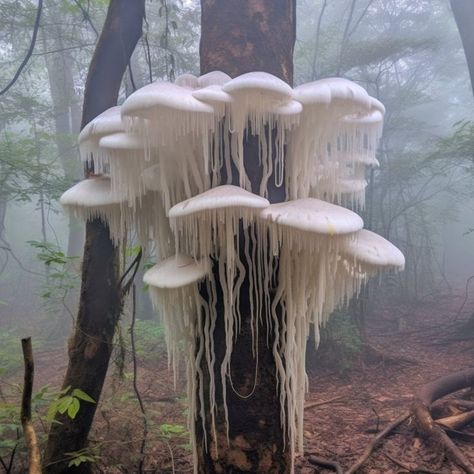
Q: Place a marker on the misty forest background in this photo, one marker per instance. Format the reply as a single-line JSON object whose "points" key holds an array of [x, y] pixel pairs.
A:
{"points": [[406, 53]]}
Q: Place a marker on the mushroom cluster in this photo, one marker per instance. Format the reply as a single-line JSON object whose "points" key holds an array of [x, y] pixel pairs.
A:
{"points": [[165, 160]]}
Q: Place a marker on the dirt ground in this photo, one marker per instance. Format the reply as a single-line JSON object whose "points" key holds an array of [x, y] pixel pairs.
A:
{"points": [[362, 398]]}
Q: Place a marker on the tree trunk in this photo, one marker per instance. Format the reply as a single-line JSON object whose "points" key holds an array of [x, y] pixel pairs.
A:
{"points": [[100, 301], [464, 15], [240, 36]]}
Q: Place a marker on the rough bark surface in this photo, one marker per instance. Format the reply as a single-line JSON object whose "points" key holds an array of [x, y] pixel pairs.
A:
{"points": [[240, 36], [464, 15], [100, 301]]}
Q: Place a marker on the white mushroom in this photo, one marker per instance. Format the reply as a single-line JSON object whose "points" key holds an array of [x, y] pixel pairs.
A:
{"points": [[92, 198], [213, 78], [173, 286], [372, 253], [256, 95], [109, 121], [187, 80]]}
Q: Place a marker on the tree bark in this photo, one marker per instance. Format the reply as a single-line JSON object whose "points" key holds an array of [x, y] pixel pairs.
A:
{"points": [[464, 15], [100, 305], [239, 36]]}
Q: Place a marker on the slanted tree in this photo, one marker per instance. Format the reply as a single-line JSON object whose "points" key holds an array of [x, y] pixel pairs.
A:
{"points": [[90, 346]]}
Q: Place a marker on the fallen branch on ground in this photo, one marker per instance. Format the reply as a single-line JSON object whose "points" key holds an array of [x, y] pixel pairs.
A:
{"points": [[320, 403], [373, 444]]}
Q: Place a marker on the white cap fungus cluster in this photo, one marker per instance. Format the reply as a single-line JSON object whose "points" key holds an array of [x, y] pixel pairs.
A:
{"points": [[163, 156]]}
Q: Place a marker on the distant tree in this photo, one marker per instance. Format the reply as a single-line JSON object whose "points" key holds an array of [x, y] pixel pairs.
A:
{"points": [[464, 15]]}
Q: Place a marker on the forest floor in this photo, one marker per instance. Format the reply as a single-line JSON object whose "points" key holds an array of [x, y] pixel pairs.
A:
{"points": [[363, 394]]}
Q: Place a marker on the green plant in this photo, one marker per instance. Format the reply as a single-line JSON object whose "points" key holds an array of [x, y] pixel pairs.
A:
{"points": [[76, 458], [61, 277], [68, 403]]}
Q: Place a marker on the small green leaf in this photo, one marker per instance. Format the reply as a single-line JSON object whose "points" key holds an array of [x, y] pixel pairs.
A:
{"points": [[73, 408], [78, 393], [64, 403]]}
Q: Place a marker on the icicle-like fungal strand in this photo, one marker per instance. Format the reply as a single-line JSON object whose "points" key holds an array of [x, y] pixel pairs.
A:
{"points": [[126, 157], [256, 95], [174, 293], [306, 233], [162, 112], [108, 122]]}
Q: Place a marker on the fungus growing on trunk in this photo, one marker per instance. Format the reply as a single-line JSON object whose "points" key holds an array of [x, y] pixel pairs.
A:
{"points": [[109, 121], [300, 259]]}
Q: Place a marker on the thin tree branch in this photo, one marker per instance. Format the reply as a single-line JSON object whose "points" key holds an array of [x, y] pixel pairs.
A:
{"points": [[135, 385], [30, 49], [34, 463]]}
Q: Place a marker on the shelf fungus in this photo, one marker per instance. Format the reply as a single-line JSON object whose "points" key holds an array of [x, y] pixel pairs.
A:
{"points": [[92, 198], [106, 123], [172, 154]]}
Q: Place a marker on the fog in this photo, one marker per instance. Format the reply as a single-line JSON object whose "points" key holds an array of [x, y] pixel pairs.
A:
{"points": [[408, 54]]}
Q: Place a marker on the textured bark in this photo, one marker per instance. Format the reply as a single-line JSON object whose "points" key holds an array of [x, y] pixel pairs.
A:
{"points": [[239, 36], [464, 15], [100, 301]]}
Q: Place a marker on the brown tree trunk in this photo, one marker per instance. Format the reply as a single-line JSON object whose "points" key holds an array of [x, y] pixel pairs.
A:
{"points": [[240, 36], [100, 301]]}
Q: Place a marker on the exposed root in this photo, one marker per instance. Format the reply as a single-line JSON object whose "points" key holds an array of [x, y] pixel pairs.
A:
{"points": [[322, 462], [425, 423]]}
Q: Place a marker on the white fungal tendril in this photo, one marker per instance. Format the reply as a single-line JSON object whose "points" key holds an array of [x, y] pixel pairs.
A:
{"points": [[167, 158]]}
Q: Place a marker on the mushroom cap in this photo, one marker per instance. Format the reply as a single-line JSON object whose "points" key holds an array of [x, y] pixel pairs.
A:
{"points": [[91, 192], [122, 141], [163, 95], [187, 80], [109, 121], [213, 78], [262, 83], [212, 94], [334, 90], [176, 271], [372, 249], [313, 93], [374, 117], [375, 104], [313, 215], [220, 197], [293, 107]]}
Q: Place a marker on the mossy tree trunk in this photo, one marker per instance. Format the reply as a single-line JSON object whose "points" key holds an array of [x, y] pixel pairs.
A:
{"points": [[240, 36], [90, 346]]}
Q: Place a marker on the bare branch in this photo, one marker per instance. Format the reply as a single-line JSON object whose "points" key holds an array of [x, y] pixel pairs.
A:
{"points": [[30, 49]]}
